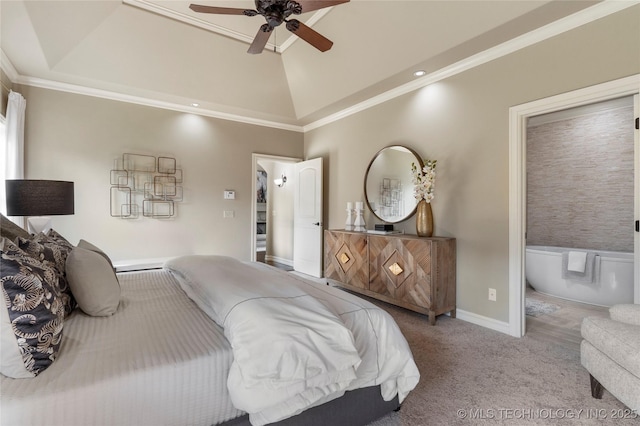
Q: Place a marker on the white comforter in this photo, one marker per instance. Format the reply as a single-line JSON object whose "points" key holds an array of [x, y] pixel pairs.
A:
{"points": [[296, 343]]}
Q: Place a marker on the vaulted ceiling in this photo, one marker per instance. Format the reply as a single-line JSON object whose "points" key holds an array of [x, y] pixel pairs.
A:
{"points": [[162, 51]]}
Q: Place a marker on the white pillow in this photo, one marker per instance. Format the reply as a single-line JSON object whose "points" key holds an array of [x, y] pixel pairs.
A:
{"points": [[93, 282]]}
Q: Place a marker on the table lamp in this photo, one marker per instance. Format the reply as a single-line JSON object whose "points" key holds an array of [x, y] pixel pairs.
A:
{"points": [[39, 199]]}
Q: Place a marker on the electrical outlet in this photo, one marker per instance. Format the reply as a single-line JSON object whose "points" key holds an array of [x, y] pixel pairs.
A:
{"points": [[492, 294]]}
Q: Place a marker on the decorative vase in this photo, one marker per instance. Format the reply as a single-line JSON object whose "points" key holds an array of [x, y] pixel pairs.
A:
{"points": [[424, 219]]}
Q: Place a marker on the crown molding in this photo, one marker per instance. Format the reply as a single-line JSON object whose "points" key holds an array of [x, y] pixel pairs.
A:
{"points": [[139, 100], [593, 13], [8, 67]]}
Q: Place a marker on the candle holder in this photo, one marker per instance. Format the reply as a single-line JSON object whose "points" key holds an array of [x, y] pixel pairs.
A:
{"points": [[359, 225], [348, 224]]}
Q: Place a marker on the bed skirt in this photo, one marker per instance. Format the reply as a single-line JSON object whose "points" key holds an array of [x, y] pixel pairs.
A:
{"points": [[355, 408]]}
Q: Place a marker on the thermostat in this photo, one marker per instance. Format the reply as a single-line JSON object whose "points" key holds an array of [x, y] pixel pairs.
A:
{"points": [[229, 195]]}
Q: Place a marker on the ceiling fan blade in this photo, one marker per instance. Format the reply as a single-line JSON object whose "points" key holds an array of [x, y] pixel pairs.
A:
{"points": [[310, 5], [219, 10], [309, 35], [260, 41]]}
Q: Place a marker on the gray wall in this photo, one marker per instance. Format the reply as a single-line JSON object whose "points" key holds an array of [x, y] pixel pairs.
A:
{"points": [[580, 181], [463, 122], [74, 137]]}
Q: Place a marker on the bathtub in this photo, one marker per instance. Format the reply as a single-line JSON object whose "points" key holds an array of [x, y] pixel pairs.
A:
{"points": [[612, 277]]}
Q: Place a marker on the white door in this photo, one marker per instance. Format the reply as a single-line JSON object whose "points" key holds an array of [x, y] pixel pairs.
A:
{"points": [[636, 240], [307, 217]]}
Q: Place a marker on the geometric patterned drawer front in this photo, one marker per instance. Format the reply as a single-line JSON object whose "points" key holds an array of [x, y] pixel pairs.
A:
{"points": [[346, 258], [396, 269], [400, 268]]}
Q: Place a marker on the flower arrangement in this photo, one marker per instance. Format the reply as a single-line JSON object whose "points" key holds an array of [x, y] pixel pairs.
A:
{"points": [[424, 180]]}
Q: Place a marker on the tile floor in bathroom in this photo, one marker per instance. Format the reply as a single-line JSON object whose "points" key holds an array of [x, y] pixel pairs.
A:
{"points": [[563, 325]]}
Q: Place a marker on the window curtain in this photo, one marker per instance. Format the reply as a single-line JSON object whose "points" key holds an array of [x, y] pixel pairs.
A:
{"points": [[13, 158]]}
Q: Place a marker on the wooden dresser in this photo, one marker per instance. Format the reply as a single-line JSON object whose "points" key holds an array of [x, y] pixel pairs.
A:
{"points": [[406, 270]]}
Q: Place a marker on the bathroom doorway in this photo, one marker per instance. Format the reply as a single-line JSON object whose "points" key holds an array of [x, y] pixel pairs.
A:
{"points": [[580, 206], [520, 116]]}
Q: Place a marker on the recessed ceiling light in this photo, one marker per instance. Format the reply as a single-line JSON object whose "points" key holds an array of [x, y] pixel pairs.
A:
{"points": [[419, 73], [195, 104]]}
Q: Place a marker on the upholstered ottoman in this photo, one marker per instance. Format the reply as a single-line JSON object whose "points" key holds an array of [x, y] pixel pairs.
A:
{"points": [[610, 352]]}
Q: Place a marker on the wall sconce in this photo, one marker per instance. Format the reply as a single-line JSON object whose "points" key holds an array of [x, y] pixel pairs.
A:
{"points": [[39, 198], [280, 181]]}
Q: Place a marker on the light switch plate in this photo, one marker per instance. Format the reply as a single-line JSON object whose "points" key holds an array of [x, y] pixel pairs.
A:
{"points": [[229, 195]]}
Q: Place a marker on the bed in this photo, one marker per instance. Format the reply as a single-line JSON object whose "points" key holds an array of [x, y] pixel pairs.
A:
{"points": [[168, 354]]}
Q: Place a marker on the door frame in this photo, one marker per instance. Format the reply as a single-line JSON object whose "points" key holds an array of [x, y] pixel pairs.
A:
{"points": [[518, 116], [255, 157]]}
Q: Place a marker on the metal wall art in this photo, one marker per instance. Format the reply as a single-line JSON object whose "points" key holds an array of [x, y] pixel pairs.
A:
{"points": [[144, 184]]}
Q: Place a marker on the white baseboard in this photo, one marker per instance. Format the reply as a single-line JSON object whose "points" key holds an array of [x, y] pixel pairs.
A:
{"points": [[139, 264], [493, 324]]}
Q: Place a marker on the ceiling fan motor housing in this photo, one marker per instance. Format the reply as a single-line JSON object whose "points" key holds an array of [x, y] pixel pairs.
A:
{"points": [[277, 11]]}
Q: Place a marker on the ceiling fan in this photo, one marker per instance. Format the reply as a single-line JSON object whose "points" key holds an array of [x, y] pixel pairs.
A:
{"points": [[276, 12]]}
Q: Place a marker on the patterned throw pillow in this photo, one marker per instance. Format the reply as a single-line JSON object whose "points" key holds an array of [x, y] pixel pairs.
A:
{"points": [[59, 239], [35, 312], [53, 253]]}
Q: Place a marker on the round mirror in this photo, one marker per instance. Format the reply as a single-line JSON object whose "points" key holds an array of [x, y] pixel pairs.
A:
{"points": [[388, 184]]}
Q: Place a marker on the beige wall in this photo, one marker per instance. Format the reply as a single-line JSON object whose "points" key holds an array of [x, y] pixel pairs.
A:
{"points": [[580, 181], [463, 123], [74, 137]]}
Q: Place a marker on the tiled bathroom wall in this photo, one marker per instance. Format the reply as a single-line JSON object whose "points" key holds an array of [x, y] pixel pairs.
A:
{"points": [[580, 174]]}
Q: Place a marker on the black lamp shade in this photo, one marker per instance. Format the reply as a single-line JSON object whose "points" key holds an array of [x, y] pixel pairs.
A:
{"points": [[27, 197]]}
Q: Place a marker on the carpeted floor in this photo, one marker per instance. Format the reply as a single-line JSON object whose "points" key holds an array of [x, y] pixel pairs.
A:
{"points": [[471, 375]]}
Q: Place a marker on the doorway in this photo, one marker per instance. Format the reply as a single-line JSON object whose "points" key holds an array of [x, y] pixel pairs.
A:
{"points": [[272, 210], [580, 203], [519, 116]]}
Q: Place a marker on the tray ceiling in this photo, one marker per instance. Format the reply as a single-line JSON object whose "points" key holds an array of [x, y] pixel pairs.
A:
{"points": [[162, 51]]}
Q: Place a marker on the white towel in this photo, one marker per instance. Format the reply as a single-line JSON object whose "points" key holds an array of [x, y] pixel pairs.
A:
{"points": [[591, 269], [577, 261]]}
